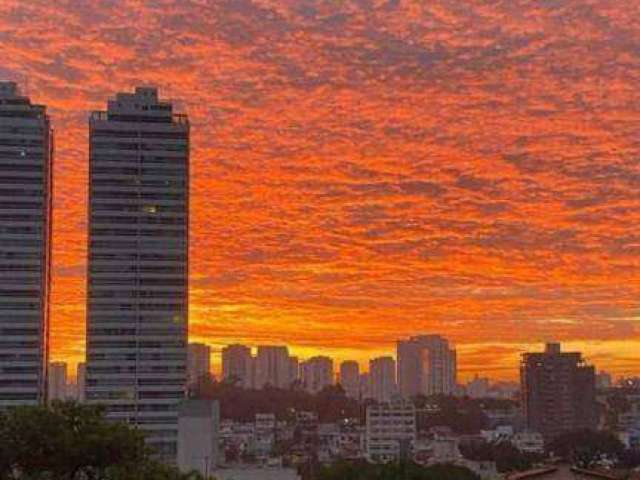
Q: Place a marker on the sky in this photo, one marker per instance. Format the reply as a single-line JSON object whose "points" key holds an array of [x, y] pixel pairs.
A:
{"points": [[365, 170]]}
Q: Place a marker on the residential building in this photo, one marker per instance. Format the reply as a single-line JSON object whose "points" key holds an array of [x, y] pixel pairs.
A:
{"points": [[57, 381], [479, 387], [137, 293], [365, 386], [80, 381], [350, 378], [528, 442], [26, 168], [198, 436], [294, 369], [316, 373], [238, 365], [273, 367], [382, 376], [427, 365], [391, 431], [558, 392], [265, 433], [198, 364]]}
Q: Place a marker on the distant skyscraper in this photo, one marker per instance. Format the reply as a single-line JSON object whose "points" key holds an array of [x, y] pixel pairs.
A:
{"points": [[294, 369], [57, 381], [237, 364], [382, 376], [365, 386], [26, 167], [80, 381], [198, 363], [316, 373], [350, 378], [478, 387], [558, 392], [426, 366], [137, 311], [273, 367]]}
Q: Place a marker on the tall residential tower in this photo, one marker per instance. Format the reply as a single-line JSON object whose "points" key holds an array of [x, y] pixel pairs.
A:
{"points": [[558, 392], [137, 311], [26, 166]]}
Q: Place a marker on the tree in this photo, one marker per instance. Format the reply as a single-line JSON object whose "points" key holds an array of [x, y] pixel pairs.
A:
{"points": [[585, 448], [69, 441], [392, 471], [507, 457]]}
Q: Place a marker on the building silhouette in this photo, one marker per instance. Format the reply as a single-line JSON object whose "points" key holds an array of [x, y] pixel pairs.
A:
{"points": [[273, 367], [558, 392], [137, 292], [382, 376], [427, 365], [198, 364], [238, 365], [316, 373], [350, 378], [58, 388], [26, 166]]}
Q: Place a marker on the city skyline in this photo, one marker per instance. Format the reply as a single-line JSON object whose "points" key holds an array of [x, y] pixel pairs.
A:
{"points": [[339, 202]]}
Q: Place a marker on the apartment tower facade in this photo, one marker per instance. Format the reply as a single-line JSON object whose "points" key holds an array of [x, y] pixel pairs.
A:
{"points": [[427, 365], [137, 290], [558, 392], [26, 167]]}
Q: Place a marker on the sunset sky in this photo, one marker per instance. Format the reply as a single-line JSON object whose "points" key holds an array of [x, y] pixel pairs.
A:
{"points": [[364, 170]]}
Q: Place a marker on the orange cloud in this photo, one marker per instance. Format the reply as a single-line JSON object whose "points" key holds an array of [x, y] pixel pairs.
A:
{"points": [[364, 170]]}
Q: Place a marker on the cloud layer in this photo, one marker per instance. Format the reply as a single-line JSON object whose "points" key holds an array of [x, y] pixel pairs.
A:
{"points": [[364, 169]]}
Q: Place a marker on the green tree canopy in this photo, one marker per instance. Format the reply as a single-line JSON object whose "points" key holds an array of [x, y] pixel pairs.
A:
{"points": [[392, 471], [69, 441]]}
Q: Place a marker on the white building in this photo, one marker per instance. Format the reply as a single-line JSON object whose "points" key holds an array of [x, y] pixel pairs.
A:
{"points": [[350, 378], [528, 442], [58, 381], [198, 363], [137, 297], [26, 165], [238, 365], [198, 436], [316, 373], [382, 376], [273, 367], [391, 431], [427, 365], [265, 433]]}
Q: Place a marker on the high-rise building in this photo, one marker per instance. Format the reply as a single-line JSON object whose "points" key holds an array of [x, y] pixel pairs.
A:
{"points": [[382, 375], [350, 378], [426, 366], [198, 363], [57, 381], [80, 381], [273, 367], [365, 386], [26, 167], [237, 365], [294, 369], [137, 288], [558, 392], [316, 373]]}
